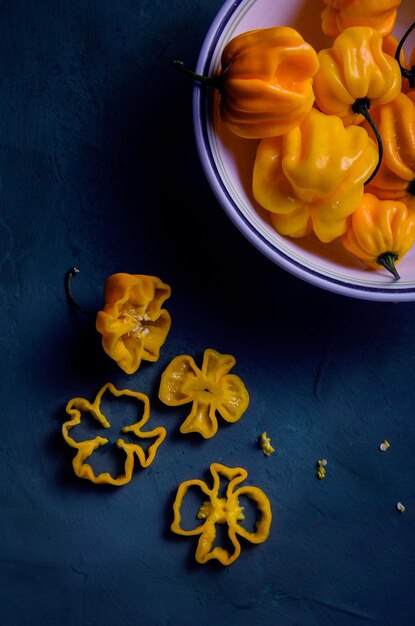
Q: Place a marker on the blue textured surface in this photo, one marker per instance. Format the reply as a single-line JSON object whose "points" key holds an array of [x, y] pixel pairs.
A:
{"points": [[98, 169]]}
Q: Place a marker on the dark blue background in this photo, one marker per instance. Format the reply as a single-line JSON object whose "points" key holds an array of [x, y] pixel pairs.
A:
{"points": [[98, 169]]}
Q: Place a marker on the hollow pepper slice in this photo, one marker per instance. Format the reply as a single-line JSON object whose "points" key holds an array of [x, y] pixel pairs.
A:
{"points": [[380, 232], [355, 72], [211, 390], [341, 14], [132, 323], [395, 178], [223, 510], [77, 406], [312, 178]]}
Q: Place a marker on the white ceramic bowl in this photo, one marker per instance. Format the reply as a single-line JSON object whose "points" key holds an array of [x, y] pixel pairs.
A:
{"points": [[228, 163]]}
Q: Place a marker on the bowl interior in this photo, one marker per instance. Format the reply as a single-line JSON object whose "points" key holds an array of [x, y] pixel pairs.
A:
{"points": [[228, 160]]}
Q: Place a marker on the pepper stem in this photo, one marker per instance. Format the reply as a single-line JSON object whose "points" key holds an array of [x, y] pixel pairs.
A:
{"points": [[387, 260], [68, 288], [211, 81], [406, 73], [361, 107]]}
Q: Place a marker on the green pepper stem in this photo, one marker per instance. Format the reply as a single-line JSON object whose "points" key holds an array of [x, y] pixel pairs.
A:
{"points": [[361, 107], [387, 260], [406, 73], [68, 288], [210, 81]]}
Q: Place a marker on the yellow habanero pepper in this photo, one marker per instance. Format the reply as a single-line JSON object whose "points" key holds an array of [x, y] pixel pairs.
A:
{"points": [[225, 510], [265, 81], [380, 232], [395, 178], [312, 178], [354, 74], [341, 14], [132, 323]]}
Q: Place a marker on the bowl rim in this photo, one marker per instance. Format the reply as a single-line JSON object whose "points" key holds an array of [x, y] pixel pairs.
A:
{"points": [[201, 107]]}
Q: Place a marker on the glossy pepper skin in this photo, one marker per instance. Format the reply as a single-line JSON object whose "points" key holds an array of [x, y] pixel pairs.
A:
{"points": [[396, 175], [341, 14], [132, 322], [224, 510], [266, 82], [211, 390], [380, 232], [353, 70], [312, 178]]}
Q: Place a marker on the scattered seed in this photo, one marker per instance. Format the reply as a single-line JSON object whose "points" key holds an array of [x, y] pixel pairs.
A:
{"points": [[321, 472], [265, 444]]}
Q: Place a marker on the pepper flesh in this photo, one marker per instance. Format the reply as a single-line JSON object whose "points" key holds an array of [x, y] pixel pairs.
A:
{"points": [[266, 81], [77, 406], [396, 176], [341, 14], [132, 323], [223, 510], [312, 178], [211, 390], [378, 228], [355, 68]]}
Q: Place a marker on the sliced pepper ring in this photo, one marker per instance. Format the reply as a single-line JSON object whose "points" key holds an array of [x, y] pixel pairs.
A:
{"points": [[77, 406], [211, 390], [226, 510]]}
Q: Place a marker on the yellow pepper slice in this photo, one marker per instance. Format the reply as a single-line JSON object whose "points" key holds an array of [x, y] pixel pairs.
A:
{"points": [[132, 323], [223, 510], [354, 72], [380, 232], [341, 14], [312, 178], [78, 406], [211, 390]]}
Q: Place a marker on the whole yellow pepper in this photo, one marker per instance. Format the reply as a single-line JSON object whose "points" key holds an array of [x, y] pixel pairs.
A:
{"points": [[341, 14], [396, 175], [265, 81], [354, 74], [132, 322], [312, 178], [380, 232]]}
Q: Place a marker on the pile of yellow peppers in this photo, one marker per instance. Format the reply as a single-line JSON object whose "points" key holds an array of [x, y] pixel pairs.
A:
{"points": [[336, 128]]}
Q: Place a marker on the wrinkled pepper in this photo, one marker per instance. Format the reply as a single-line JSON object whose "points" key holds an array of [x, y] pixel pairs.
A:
{"points": [[312, 178], [354, 74], [341, 14], [380, 232], [396, 175], [211, 390], [408, 73], [223, 510], [265, 82], [132, 323], [78, 406]]}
